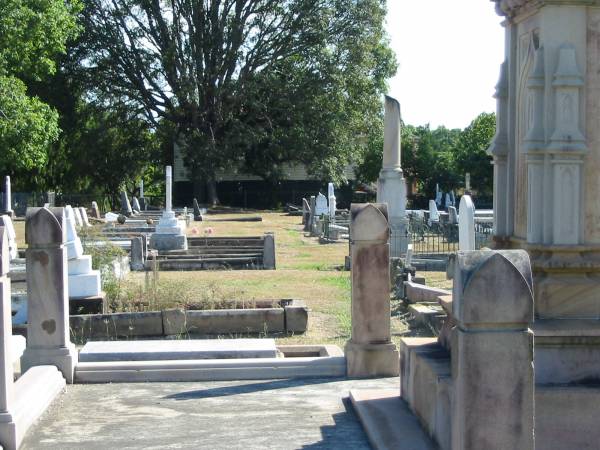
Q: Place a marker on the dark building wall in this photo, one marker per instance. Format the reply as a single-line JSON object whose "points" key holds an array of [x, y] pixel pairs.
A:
{"points": [[259, 194]]}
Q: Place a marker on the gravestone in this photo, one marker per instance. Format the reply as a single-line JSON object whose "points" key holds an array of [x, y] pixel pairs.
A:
{"points": [[452, 215], [6, 222], [452, 199], [125, 205], [438, 195], [321, 207], [434, 215], [170, 232], [305, 213], [391, 185], [447, 200], [137, 254], [370, 351], [135, 206], [48, 341], [77, 216], [96, 211], [197, 212], [7, 198], [466, 224], [84, 217], [312, 218], [83, 280], [331, 201]]}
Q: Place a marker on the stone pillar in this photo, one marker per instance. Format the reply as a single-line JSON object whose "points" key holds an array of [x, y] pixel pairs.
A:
{"points": [[312, 218], [6, 365], [370, 352], [391, 187], [48, 341], [169, 189], [492, 351], [7, 204]]}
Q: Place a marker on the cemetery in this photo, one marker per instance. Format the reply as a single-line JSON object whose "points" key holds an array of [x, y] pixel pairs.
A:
{"points": [[403, 312]]}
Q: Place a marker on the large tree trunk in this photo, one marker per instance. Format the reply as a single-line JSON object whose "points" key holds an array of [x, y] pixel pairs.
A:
{"points": [[211, 190]]}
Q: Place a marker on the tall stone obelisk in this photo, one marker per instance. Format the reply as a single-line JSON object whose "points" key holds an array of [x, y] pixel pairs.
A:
{"points": [[391, 186]]}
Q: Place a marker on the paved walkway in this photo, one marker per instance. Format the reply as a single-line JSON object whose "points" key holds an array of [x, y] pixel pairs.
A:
{"points": [[272, 414]]}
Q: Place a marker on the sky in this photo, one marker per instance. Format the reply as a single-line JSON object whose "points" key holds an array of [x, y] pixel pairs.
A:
{"points": [[449, 54]]}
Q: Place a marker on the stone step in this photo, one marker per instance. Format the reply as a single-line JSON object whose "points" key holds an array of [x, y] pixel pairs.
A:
{"points": [[102, 351], [212, 263], [388, 421], [85, 285], [216, 256], [81, 265]]}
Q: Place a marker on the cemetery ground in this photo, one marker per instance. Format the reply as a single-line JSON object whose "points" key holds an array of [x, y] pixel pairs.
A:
{"points": [[306, 270]]}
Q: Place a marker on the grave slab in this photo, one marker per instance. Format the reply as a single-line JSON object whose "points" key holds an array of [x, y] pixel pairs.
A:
{"points": [[177, 350]]}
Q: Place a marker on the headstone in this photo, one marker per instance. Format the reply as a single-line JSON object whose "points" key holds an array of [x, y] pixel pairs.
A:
{"points": [[6, 222], [452, 199], [77, 217], [370, 351], [448, 200], [83, 280], [466, 224], [135, 206], [439, 195], [137, 254], [96, 211], [452, 215], [197, 212], [48, 340], [467, 182], [321, 207], [170, 232], [409, 256], [434, 215], [305, 213], [84, 217], [7, 203], [391, 186], [125, 205], [332, 208], [269, 252], [492, 352]]}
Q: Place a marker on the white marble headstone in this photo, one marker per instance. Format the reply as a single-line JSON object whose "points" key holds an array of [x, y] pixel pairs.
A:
{"points": [[466, 224], [434, 215], [321, 207], [78, 218]]}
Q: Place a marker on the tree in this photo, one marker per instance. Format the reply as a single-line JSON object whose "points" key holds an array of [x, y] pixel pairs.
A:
{"points": [[471, 155], [247, 83], [32, 33]]}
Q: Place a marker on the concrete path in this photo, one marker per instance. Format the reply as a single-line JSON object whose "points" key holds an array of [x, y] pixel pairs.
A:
{"points": [[272, 414]]}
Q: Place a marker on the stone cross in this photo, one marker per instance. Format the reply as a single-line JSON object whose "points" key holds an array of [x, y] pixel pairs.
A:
{"points": [[168, 188], [370, 351], [48, 340], [7, 204], [466, 224], [492, 351]]}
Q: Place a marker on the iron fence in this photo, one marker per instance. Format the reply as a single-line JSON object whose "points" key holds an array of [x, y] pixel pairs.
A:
{"points": [[440, 238]]}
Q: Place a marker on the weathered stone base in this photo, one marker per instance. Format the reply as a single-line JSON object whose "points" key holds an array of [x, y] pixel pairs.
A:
{"points": [[64, 358], [160, 241], [374, 360], [88, 305], [33, 393]]}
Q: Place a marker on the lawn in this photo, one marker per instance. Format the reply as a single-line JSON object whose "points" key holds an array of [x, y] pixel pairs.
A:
{"points": [[306, 270]]}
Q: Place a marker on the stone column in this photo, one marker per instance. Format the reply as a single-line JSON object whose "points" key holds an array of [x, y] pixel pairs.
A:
{"points": [[391, 187], [168, 188], [370, 352], [48, 341], [7, 205], [492, 351]]}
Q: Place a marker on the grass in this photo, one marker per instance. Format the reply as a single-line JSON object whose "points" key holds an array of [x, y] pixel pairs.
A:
{"points": [[306, 270]]}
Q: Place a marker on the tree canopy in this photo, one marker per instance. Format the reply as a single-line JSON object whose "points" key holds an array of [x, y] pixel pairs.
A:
{"points": [[32, 34], [246, 83]]}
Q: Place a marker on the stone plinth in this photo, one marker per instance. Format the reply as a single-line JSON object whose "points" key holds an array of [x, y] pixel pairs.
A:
{"points": [[48, 341], [370, 352]]}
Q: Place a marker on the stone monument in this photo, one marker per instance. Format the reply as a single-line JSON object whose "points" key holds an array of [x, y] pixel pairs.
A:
{"points": [[197, 212], [170, 232], [332, 201], [370, 351], [135, 205], [391, 186], [6, 222], [83, 280], [96, 211], [48, 340], [466, 224], [546, 181], [321, 206]]}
